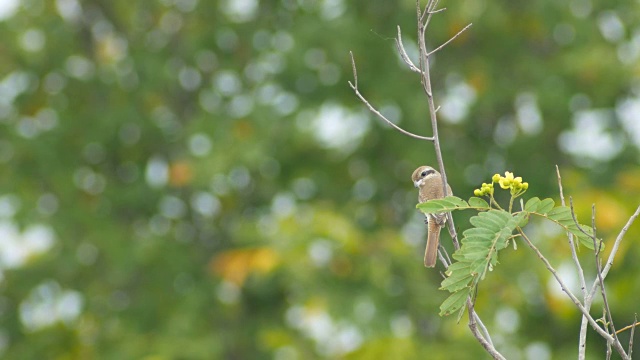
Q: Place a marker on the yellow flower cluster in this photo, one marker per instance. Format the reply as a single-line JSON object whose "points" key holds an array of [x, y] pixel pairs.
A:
{"points": [[509, 182], [486, 189], [506, 182]]}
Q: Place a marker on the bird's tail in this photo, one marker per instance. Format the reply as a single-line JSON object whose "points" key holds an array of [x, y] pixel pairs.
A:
{"points": [[433, 239]]}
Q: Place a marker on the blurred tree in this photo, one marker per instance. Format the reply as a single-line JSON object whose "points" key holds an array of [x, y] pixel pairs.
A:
{"points": [[191, 179]]}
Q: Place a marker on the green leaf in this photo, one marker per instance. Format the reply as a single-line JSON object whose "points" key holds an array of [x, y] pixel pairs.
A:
{"points": [[478, 203], [453, 284], [478, 252], [454, 302], [532, 204], [481, 232], [447, 204], [546, 205], [561, 215]]}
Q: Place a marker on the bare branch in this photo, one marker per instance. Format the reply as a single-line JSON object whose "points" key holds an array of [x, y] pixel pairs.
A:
{"points": [[483, 328], [610, 339], [616, 244], [473, 326], [574, 254], [628, 327], [354, 86], [448, 41], [598, 247], [444, 256], [429, 10], [614, 250], [605, 271], [403, 53]]}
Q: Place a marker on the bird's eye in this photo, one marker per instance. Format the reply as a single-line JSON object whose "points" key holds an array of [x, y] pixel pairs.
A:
{"points": [[424, 173]]}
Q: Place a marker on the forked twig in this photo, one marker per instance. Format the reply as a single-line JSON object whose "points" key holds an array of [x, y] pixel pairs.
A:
{"points": [[612, 339], [473, 326], [565, 288]]}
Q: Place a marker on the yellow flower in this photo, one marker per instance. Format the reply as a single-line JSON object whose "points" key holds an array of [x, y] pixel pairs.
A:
{"points": [[525, 185], [496, 178], [505, 182], [477, 192]]}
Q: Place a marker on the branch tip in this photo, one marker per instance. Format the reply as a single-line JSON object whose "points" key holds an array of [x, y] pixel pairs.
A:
{"points": [[450, 40], [355, 72]]}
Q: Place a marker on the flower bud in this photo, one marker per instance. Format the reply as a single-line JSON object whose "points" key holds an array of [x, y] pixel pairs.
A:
{"points": [[505, 183]]}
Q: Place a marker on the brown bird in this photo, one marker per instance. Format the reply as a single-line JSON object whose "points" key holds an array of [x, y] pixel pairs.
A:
{"points": [[429, 183]]}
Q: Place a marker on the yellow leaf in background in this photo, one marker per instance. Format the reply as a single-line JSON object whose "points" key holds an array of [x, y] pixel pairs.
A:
{"points": [[628, 182], [263, 260], [111, 49], [610, 213], [180, 173], [243, 130], [235, 265]]}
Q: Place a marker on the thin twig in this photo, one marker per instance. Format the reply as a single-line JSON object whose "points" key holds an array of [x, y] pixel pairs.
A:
{"points": [[598, 247], [448, 41], [444, 256], [354, 86], [582, 339], [473, 326], [633, 328], [614, 250], [574, 254], [403, 53], [616, 244], [355, 71], [596, 282], [483, 328], [628, 327]]}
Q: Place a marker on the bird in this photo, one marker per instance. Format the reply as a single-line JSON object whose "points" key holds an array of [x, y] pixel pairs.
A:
{"points": [[429, 184]]}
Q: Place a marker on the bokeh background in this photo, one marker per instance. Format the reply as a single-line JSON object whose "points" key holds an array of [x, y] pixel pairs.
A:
{"points": [[184, 179]]}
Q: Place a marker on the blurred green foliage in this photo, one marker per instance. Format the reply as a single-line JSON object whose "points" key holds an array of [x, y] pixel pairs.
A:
{"points": [[184, 179]]}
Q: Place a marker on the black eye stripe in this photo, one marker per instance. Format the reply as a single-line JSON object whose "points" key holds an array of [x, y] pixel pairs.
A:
{"points": [[427, 172]]}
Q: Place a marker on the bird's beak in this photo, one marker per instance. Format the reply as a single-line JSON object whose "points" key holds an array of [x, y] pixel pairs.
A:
{"points": [[416, 183]]}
